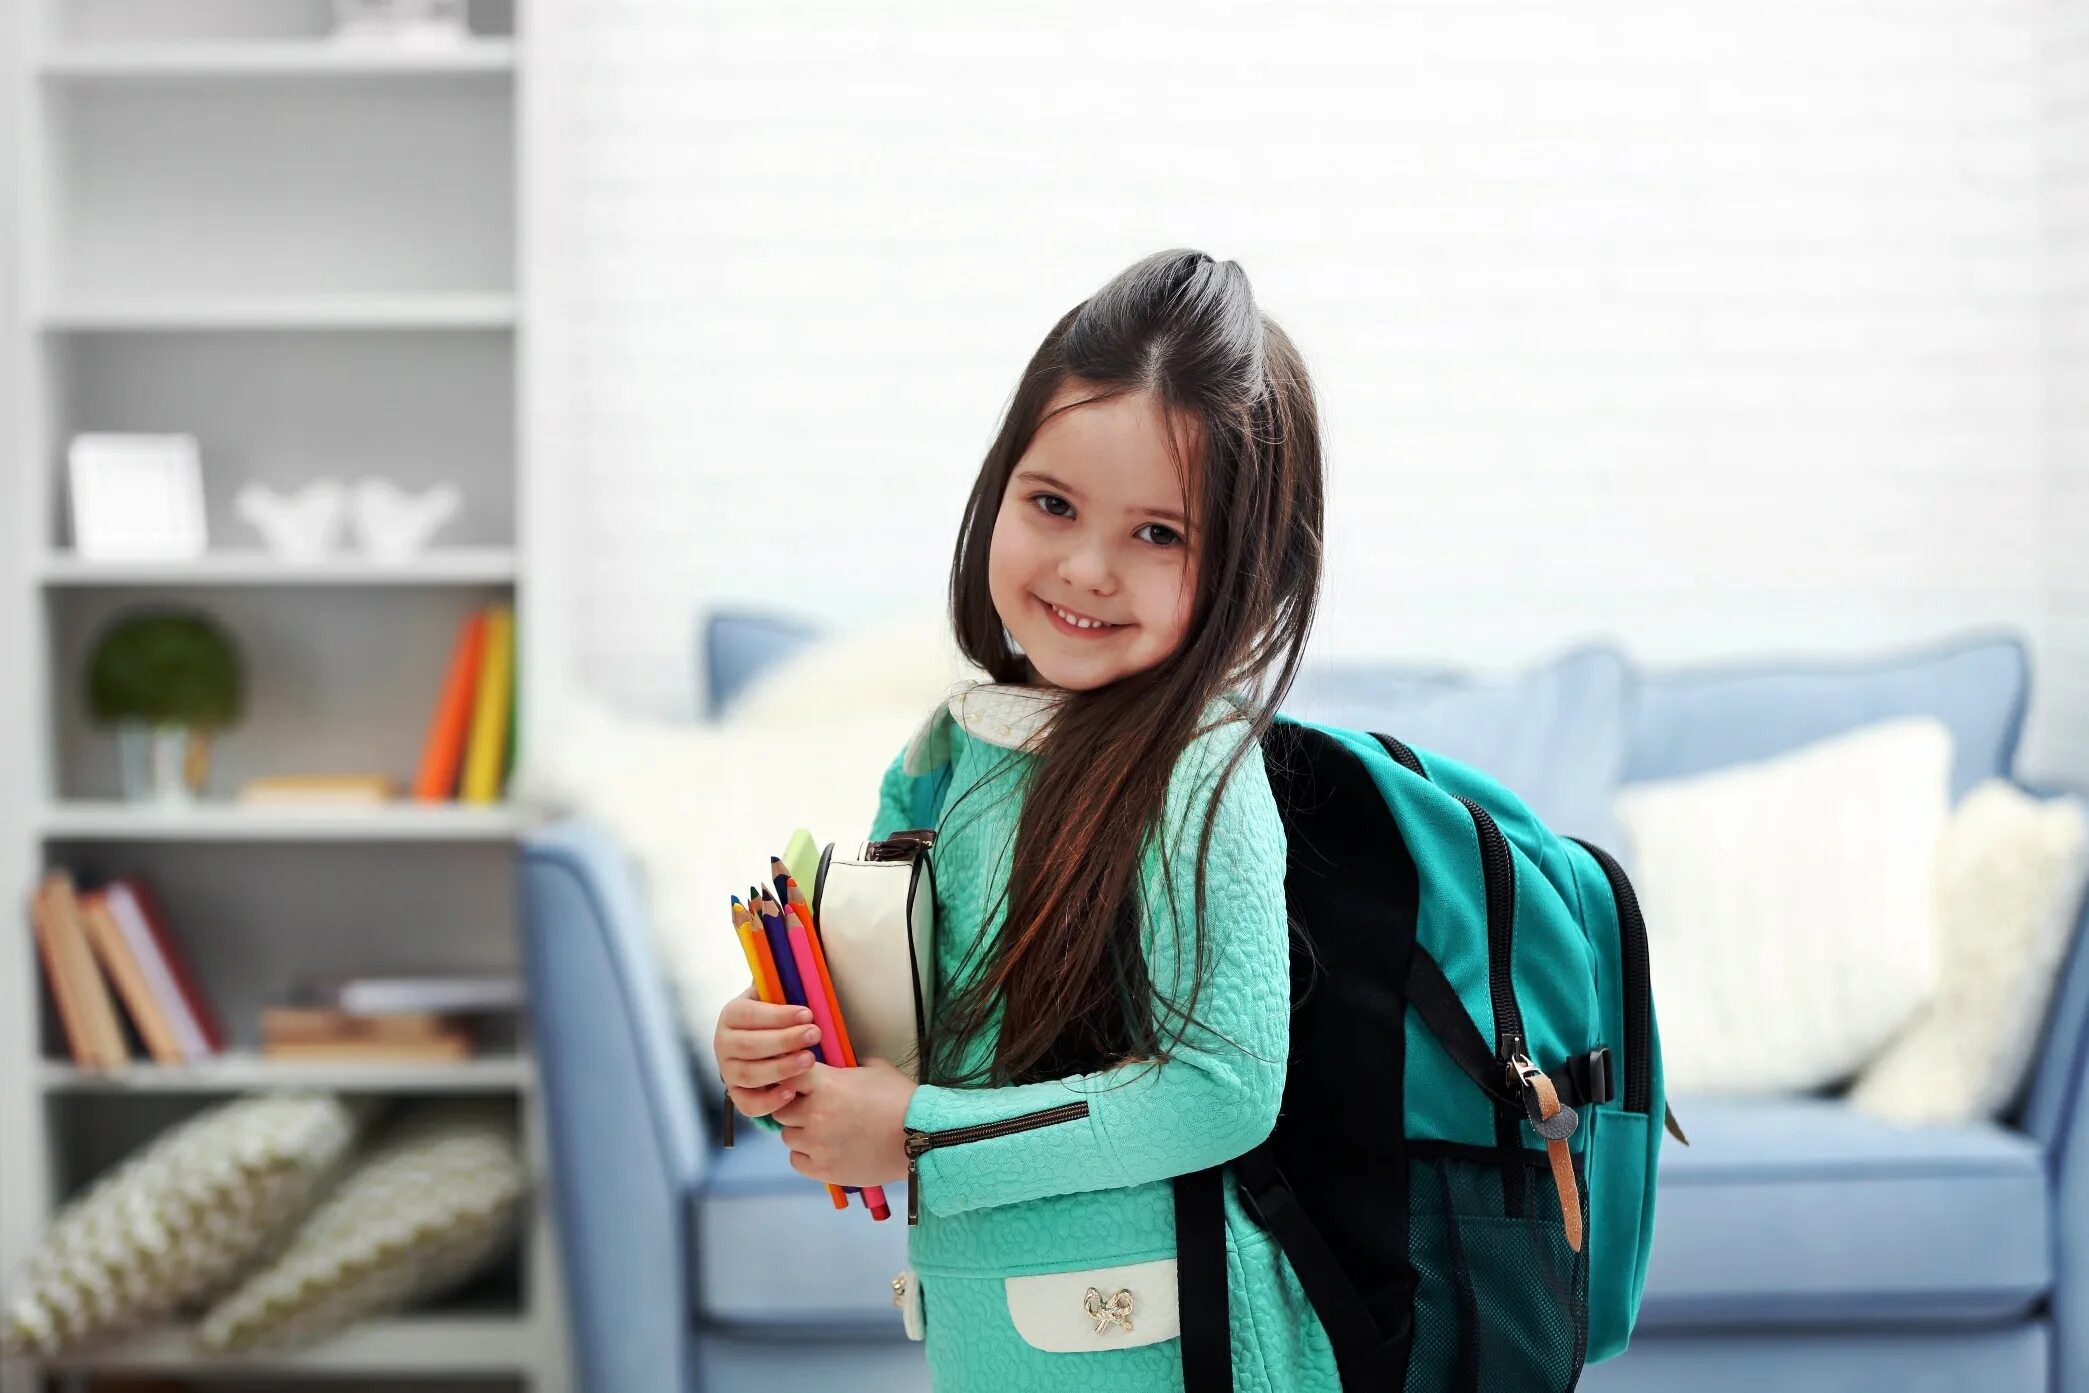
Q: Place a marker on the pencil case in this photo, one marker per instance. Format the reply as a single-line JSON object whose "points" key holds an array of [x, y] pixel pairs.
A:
{"points": [[876, 911]]}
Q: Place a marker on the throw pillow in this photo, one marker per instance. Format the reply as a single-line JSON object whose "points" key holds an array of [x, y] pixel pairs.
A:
{"points": [[426, 1208], [2009, 881], [904, 662], [174, 1222], [1788, 906]]}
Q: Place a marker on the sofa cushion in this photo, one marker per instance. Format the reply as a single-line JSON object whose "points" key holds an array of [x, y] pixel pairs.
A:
{"points": [[752, 1207], [1804, 1211], [1555, 736], [1695, 720]]}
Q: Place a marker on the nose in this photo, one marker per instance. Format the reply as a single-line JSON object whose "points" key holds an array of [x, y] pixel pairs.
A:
{"points": [[1086, 565]]}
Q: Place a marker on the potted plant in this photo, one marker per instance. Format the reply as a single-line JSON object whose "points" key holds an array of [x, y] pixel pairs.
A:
{"points": [[167, 680]]}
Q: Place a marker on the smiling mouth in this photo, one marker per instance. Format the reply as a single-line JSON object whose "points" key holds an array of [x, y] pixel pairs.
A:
{"points": [[1069, 622]]}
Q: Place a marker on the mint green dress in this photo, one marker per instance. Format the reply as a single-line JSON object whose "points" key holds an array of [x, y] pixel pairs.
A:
{"points": [[1077, 1188]]}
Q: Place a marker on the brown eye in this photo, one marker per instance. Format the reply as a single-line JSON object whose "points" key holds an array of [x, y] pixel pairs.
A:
{"points": [[1172, 537]]}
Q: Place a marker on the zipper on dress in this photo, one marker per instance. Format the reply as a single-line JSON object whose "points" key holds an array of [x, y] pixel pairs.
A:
{"points": [[919, 1142]]}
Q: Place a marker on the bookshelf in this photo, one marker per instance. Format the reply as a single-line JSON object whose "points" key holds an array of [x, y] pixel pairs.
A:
{"points": [[310, 256]]}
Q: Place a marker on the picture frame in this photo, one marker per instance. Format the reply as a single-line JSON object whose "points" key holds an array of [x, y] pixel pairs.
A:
{"points": [[136, 497]]}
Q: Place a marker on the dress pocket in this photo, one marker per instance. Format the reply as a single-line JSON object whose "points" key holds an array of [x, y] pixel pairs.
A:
{"points": [[1096, 1308]]}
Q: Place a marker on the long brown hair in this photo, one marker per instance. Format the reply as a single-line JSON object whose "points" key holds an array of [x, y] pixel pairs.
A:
{"points": [[1066, 973]]}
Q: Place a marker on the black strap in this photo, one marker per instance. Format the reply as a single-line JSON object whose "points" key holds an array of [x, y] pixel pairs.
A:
{"points": [[1351, 1331], [1436, 1001], [1585, 1078], [1200, 1282]]}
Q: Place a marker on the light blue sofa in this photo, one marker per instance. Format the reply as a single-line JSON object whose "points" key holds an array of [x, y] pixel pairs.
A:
{"points": [[1799, 1246]]}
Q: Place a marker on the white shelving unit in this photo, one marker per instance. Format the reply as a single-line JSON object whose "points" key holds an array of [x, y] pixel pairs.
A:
{"points": [[308, 255]]}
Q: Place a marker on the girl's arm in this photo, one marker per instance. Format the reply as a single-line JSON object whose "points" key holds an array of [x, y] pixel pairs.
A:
{"points": [[1217, 1095]]}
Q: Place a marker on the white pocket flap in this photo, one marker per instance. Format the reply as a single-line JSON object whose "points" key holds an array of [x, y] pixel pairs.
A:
{"points": [[1098, 1308]]}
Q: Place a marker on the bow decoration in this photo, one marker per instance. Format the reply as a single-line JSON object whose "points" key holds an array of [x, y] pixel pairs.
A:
{"points": [[1117, 1309]]}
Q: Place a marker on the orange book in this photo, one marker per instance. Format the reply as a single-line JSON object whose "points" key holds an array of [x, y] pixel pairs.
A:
{"points": [[92, 1023], [442, 756], [45, 926], [105, 936]]}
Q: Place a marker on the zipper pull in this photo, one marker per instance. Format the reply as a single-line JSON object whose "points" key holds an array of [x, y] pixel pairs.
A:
{"points": [[914, 1150], [1555, 1122]]}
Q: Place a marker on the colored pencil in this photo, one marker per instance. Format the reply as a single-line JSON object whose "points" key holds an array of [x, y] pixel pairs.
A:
{"points": [[756, 944]]}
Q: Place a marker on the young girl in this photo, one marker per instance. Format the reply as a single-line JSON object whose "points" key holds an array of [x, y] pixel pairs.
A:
{"points": [[1142, 548]]}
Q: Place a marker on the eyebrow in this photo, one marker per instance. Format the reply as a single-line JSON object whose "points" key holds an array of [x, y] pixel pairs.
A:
{"points": [[1166, 514]]}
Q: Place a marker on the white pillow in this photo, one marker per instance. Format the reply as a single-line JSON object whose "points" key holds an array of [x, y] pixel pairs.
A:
{"points": [[431, 1204], [1787, 905], [2009, 878], [177, 1219], [702, 808]]}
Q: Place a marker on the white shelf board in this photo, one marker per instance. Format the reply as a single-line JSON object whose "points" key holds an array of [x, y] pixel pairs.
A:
{"points": [[312, 58], [431, 1344], [224, 821], [444, 566], [356, 311], [241, 1072]]}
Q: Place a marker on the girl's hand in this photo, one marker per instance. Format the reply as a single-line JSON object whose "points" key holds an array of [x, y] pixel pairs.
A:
{"points": [[849, 1126], [762, 1048]]}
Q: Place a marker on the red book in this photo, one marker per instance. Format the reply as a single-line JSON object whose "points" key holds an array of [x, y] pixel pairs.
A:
{"points": [[442, 754]]}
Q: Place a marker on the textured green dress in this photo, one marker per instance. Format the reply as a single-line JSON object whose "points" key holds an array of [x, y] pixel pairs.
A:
{"points": [[1067, 1181]]}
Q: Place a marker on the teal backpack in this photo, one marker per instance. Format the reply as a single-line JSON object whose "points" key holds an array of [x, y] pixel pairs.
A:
{"points": [[1462, 1172]]}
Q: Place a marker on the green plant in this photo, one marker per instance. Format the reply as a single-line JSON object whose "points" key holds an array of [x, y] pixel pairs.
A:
{"points": [[166, 667]]}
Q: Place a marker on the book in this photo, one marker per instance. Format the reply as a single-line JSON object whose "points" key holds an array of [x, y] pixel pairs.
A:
{"points": [[316, 1024], [489, 727], [448, 1047], [442, 753], [174, 986], [86, 1010], [331, 790], [133, 988]]}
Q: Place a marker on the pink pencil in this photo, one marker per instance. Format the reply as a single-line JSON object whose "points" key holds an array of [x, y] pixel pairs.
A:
{"points": [[816, 1002]]}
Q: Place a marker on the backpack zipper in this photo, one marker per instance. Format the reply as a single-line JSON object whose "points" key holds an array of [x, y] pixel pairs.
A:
{"points": [[919, 1142], [1499, 868], [1638, 990]]}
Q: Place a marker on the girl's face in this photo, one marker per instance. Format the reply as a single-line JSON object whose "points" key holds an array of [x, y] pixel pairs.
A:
{"points": [[1094, 526]]}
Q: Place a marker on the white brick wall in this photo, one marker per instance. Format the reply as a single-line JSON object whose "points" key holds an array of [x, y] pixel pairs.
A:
{"points": [[1710, 333], [2065, 654]]}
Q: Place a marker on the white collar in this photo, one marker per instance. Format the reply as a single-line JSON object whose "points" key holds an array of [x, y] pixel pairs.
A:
{"points": [[1000, 713]]}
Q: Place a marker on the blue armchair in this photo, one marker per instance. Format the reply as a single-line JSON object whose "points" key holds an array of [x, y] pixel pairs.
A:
{"points": [[1799, 1245]]}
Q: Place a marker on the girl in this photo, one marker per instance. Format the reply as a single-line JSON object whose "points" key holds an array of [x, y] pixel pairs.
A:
{"points": [[1141, 548]]}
